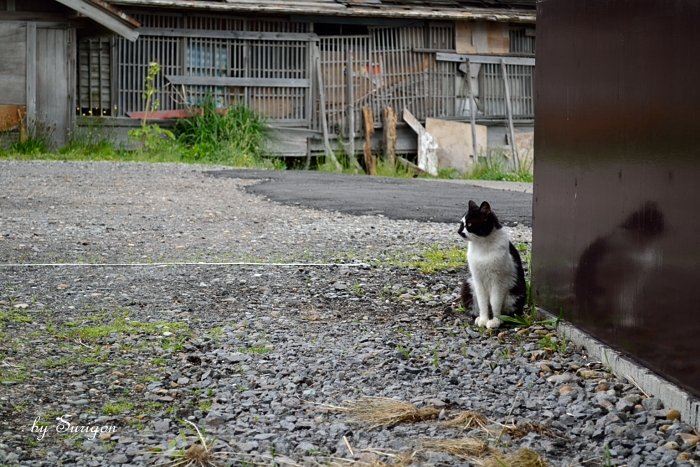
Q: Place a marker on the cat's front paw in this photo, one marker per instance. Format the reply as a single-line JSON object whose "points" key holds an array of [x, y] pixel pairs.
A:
{"points": [[493, 323], [481, 321]]}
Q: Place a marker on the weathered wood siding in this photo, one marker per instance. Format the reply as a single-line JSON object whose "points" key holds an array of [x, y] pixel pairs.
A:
{"points": [[13, 88], [55, 83]]}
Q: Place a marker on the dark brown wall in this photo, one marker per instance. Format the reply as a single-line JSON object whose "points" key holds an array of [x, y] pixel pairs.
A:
{"points": [[617, 176]]}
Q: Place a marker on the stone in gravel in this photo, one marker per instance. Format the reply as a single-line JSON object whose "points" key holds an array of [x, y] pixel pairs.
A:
{"points": [[161, 426], [602, 386], [305, 447], [566, 389], [119, 459], [561, 379], [592, 374], [248, 446], [673, 414], [214, 419], [653, 403], [689, 439], [623, 405]]}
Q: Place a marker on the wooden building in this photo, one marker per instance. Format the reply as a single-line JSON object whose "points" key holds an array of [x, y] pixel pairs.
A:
{"points": [[307, 65], [38, 61]]}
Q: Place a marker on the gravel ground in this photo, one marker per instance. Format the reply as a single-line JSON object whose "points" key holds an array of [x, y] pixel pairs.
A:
{"points": [[314, 309]]}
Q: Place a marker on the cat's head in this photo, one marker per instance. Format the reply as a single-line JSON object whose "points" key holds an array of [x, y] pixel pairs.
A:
{"points": [[479, 221]]}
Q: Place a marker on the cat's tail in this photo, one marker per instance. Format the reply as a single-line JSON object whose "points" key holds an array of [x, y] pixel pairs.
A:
{"points": [[466, 295]]}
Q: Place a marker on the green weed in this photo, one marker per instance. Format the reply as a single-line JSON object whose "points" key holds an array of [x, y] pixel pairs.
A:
{"points": [[436, 259], [117, 408], [494, 167]]}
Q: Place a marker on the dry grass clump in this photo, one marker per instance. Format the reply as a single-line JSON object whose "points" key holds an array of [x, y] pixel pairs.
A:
{"points": [[521, 458], [467, 419], [384, 412], [465, 448], [520, 431], [198, 454]]}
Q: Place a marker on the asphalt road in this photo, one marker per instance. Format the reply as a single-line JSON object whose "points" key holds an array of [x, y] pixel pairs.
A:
{"points": [[415, 199]]}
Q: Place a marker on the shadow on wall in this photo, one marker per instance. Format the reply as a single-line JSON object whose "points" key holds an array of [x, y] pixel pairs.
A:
{"points": [[616, 269]]}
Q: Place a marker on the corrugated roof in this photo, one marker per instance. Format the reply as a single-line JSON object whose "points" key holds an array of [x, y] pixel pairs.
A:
{"points": [[493, 10]]}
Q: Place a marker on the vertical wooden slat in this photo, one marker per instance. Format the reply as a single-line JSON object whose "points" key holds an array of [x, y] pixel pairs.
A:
{"points": [[31, 73]]}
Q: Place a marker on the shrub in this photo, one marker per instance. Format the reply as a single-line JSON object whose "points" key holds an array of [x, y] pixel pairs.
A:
{"points": [[235, 136]]}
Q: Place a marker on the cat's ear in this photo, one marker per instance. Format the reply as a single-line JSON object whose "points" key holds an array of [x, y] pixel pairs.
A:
{"points": [[472, 206], [485, 207]]}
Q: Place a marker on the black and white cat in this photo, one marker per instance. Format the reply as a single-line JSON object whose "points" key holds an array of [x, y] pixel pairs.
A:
{"points": [[496, 277]]}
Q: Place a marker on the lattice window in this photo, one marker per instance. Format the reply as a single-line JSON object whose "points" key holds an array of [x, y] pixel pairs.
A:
{"points": [[492, 90], [207, 57], [522, 40], [94, 96]]}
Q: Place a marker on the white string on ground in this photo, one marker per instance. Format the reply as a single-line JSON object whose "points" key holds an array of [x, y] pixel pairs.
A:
{"points": [[117, 265]]}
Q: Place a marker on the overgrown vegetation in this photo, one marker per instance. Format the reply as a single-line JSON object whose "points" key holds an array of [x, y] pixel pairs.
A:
{"points": [[235, 137]]}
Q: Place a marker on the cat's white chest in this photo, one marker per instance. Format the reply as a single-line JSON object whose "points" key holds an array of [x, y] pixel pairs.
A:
{"points": [[490, 265]]}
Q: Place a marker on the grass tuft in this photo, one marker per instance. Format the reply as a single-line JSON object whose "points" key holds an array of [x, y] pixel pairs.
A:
{"points": [[464, 448], [521, 458], [385, 412], [467, 419]]}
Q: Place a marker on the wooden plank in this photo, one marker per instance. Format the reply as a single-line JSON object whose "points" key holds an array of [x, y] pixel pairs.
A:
{"points": [[493, 59], [322, 110], [214, 34], [191, 80], [370, 160], [511, 129], [31, 73], [105, 15], [427, 147], [472, 111], [350, 96]]}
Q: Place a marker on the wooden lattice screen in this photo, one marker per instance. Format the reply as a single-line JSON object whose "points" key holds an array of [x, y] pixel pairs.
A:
{"points": [[264, 65], [391, 67], [95, 96], [492, 90]]}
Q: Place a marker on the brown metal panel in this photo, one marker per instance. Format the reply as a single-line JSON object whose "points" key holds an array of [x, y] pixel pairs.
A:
{"points": [[617, 176]]}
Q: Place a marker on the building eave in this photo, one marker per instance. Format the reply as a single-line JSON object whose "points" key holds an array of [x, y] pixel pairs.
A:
{"points": [[337, 9], [106, 15]]}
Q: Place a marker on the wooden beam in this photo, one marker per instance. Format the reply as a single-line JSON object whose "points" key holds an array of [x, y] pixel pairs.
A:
{"points": [[427, 147], [370, 160], [337, 9], [350, 112], [411, 165], [31, 75], [322, 110], [191, 80], [243, 35], [105, 15], [492, 59], [389, 136], [509, 108], [472, 112]]}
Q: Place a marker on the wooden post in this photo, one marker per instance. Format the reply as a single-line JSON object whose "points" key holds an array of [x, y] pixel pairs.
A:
{"points": [[389, 136], [516, 160], [322, 110], [472, 111], [370, 160], [350, 95], [30, 114]]}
